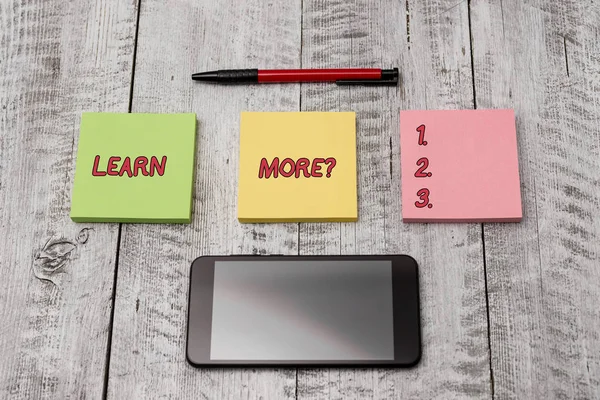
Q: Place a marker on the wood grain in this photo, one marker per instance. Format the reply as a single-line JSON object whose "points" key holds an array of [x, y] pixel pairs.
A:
{"points": [[542, 59], [148, 346], [429, 42], [58, 59]]}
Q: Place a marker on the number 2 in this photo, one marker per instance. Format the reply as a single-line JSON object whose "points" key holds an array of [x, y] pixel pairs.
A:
{"points": [[423, 163], [421, 130], [424, 197]]}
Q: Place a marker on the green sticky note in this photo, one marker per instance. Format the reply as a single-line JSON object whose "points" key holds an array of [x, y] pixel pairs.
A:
{"points": [[134, 168]]}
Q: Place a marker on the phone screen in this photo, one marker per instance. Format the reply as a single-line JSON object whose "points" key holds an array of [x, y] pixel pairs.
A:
{"points": [[302, 310]]}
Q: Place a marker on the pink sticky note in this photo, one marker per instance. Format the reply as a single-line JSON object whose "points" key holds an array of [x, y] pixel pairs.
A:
{"points": [[459, 166]]}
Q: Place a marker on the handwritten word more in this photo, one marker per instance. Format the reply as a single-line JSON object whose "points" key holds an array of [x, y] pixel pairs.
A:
{"points": [[287, 168]]}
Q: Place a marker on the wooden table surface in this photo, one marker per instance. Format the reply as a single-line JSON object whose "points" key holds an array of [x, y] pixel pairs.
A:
{"points": [[509, 311]]}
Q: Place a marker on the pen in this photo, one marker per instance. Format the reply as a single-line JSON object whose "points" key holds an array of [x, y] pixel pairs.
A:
{"points": [[347, 76]]}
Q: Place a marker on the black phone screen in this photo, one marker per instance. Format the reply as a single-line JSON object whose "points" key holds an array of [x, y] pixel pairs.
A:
{"points": [[303, 310]]}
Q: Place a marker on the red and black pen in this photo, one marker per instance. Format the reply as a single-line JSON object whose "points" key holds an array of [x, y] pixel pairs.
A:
{"points": [[348, 76]]}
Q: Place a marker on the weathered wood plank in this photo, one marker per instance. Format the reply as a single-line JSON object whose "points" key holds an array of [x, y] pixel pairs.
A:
{"points": [[57, 59], [429, 42], [542, 58], [175, 40]]}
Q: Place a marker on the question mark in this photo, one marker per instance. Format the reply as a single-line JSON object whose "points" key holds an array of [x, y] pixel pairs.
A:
{"points": [[331, 161]]}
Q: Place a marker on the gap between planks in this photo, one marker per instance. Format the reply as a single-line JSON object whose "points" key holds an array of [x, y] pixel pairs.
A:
{"points": [[485, 276], [114, 287]]}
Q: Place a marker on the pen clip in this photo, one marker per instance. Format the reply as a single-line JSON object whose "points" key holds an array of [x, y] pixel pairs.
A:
{"points": [[389, 77]]}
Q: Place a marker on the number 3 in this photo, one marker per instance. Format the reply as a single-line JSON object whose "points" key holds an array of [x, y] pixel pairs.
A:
{"points": [[424, 197]]}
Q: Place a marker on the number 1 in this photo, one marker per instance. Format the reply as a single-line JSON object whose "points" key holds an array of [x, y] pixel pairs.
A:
{"points": [[421, 130]]}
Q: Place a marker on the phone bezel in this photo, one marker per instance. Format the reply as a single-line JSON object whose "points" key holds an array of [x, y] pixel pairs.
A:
{"points": [[405, 290]]}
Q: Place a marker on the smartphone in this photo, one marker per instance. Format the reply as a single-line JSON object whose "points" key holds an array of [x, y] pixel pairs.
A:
{"points": [[304, 311]]}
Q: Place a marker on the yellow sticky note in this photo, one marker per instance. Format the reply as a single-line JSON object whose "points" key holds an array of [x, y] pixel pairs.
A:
{"points": [[297, 167]]}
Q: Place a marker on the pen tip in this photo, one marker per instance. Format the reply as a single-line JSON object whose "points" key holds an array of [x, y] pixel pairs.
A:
{"points": [[204, 76]]}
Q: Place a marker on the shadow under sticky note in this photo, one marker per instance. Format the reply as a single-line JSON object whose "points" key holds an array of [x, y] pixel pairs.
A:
{"points": [[297, 167], [134, 168], [459, 166]]}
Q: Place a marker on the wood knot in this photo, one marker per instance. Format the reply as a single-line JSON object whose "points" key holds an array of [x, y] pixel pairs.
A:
{"points": [[55, 254], [83, 235]]}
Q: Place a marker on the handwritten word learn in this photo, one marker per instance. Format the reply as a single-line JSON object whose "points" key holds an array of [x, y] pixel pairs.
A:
{"points": [[141, 165], [288, 167]]}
